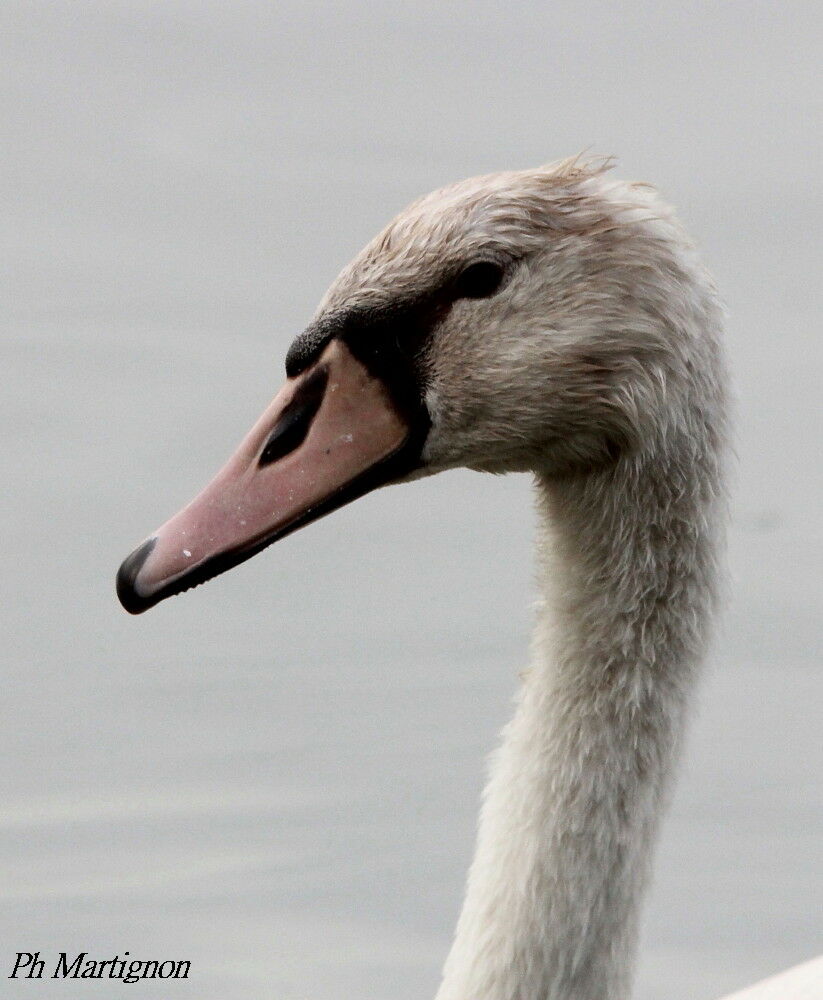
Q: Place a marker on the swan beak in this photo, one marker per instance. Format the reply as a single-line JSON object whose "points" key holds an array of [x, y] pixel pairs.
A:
{"points": [[331, 434]]}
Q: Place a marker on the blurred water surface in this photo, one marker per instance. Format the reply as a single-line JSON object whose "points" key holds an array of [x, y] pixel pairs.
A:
{"points": [[276, 777]]}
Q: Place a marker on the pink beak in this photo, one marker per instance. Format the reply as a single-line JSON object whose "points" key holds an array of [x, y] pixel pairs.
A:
{"points": [[329, 436]]}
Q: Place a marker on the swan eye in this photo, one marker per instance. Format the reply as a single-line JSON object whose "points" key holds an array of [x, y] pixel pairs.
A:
{"points": [[480, 280]]}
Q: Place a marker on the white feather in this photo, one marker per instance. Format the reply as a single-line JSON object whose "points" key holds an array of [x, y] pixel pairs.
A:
{"points": [[599, 367]]}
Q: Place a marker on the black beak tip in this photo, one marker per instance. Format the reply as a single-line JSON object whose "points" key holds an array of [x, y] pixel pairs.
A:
{"points": [[130, 597]]}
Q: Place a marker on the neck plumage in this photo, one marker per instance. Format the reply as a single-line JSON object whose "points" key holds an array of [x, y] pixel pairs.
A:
{"points": [[627, 570]]}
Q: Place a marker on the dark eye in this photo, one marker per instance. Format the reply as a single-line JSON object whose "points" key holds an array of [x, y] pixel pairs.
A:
{"points": [[480, 280]]}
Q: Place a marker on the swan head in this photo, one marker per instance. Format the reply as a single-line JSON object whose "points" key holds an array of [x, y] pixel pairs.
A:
{"points": [[547, 319]]}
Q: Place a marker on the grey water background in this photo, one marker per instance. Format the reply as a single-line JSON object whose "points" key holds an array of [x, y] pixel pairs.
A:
{"points": [[277, 775]]}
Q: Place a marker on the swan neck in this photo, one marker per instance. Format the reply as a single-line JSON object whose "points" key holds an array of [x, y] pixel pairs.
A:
{"points": [[626, 572]]}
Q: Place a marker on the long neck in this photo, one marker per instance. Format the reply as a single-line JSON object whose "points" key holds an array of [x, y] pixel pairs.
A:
{"points": [[626, 563]]}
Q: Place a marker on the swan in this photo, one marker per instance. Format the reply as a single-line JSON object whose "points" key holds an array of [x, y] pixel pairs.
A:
{"points": [[557, 321]]}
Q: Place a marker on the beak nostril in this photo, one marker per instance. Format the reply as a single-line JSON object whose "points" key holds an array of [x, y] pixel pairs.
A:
{"points": [[294, 422]]}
